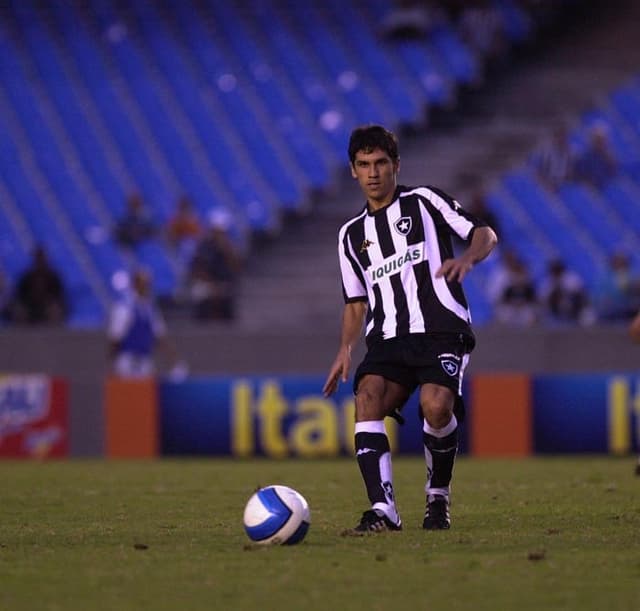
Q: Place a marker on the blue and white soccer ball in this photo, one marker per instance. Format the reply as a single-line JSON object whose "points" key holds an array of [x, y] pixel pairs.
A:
{"points": [[277, 515]]}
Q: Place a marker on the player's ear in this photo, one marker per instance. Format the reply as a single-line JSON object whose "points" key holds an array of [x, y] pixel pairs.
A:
{"points": [[353, 171], [396, 164]]}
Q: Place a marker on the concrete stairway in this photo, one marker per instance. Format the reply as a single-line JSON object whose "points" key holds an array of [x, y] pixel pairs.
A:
{"points": [[294, 281]]}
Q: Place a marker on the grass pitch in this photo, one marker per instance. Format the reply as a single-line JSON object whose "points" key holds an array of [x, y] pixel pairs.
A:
{"points": [[546, 533]]}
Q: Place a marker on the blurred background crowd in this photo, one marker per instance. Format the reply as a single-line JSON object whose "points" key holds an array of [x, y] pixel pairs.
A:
{"points": [[205, 143]]}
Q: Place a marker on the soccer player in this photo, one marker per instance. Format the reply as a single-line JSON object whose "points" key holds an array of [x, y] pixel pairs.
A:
{"points": [[136, 327], [401, 279]]}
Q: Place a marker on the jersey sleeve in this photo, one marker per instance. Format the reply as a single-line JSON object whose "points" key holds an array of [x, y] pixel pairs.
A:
{"points": [[453, 215], [353, 284]]}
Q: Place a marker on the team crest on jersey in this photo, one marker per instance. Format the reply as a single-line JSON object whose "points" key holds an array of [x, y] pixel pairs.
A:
{"points": [[403, 225], [450, 363]]}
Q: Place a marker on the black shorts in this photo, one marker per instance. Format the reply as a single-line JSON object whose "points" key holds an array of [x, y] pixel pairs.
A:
{"points": [[413, 360]]}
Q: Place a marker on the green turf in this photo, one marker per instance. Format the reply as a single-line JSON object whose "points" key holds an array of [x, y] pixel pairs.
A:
{"points": [[527, 534]]}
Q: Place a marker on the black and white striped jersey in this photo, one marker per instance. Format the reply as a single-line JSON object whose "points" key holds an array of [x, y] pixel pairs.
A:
{"points": [[389, 258]]}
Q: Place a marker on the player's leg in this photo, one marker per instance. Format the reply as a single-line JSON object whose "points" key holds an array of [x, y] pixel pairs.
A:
{"points": [[442, 362], [440, 438], [376, 398]]}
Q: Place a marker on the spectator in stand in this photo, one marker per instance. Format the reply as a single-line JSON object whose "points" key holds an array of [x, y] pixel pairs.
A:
{"points": [[184, 227], [136, 329], [553, 159], [183, 230], [563, 296], [136, 225], [39, 295], [597, 164], [213, 272], [514, 293], [617, 291]]}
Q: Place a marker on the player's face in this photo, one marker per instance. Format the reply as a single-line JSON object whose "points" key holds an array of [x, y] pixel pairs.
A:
{"points": [[376, 174]]}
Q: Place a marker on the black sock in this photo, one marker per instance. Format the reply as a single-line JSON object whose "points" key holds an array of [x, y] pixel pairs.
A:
{"points": [[441, 447], [374, 459]]}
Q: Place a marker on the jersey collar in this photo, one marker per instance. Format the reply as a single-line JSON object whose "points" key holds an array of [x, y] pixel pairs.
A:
{"points": [[396, 195]]}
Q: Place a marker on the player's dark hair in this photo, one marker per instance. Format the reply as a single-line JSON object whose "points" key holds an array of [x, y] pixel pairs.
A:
{"points": [[367, 138]]}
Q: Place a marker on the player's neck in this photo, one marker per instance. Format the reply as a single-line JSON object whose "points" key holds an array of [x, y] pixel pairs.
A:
{"points": [[377, 204]]}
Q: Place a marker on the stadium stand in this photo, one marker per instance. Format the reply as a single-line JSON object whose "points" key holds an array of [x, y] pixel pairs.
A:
{"points": [[581, 223], [221, 101]]}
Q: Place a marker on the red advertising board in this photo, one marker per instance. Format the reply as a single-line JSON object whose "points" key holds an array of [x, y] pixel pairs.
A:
{"points": [[34, 417]]}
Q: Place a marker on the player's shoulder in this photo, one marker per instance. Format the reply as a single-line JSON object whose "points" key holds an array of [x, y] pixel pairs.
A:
{"points": [[429, 192]]}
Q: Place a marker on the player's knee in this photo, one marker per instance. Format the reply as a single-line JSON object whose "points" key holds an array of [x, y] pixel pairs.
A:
{"points": [[437, 411], [437, 404]]}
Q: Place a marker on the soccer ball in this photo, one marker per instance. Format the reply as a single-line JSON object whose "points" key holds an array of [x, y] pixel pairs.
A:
{"points": [[277, 515]]}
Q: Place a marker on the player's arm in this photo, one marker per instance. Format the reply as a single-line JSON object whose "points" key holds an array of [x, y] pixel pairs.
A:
{"points": [[482, 243], [353, 318], [634, 328]]}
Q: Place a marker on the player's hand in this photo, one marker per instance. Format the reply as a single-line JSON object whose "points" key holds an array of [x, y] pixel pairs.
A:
{"points": [[339, 371], [454, 269]]}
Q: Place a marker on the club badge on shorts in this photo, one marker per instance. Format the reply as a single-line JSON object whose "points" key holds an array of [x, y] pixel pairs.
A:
{"points": [[450, 363]]}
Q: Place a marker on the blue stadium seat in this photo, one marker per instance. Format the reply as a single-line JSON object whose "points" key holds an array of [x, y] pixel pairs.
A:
{"points": [[626, 100], [290, 121], [422, 60], [460, 61], [13, 251], [364, 49], [624, 141], [563, 231], [623, 196]]}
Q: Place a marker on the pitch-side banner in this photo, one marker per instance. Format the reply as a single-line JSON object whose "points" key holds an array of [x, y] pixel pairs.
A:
{"points": [[507, 415], [586, 413], [33, 417], [275, 417]]}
